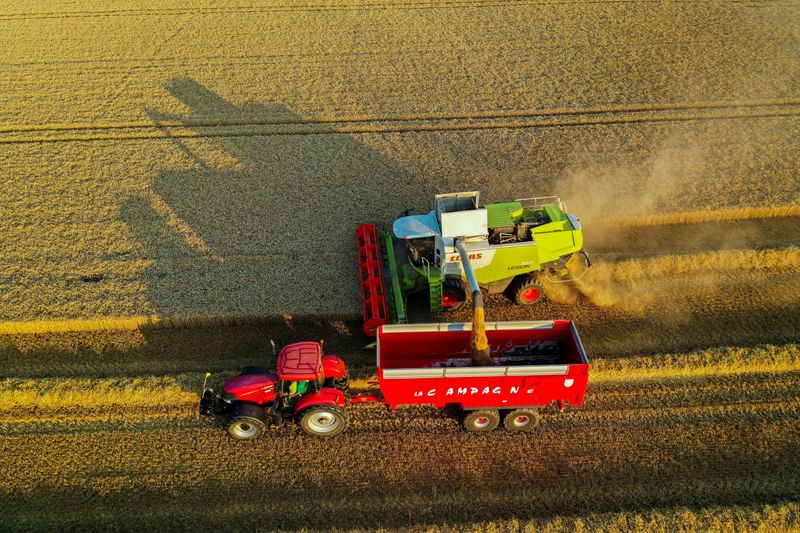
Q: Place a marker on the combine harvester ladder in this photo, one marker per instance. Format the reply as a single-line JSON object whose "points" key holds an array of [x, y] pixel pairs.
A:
{"points": [[395, 293], [434, 288]]}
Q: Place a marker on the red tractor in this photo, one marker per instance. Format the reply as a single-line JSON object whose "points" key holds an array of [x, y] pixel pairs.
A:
{"points": [[308, 387]]}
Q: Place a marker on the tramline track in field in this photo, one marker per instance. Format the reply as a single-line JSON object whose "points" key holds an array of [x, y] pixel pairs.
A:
{"points": [[157, 131], [308, 7], [421, 117]]}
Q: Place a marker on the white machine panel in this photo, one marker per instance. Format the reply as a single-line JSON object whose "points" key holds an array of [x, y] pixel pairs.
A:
{"points": [[470, 223]]}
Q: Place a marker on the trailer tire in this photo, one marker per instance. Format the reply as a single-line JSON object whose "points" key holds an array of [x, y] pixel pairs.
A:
{"points": [[482, 420], [454, 295], [246, 422], [323, 420], [526, 290], [521, 420]]}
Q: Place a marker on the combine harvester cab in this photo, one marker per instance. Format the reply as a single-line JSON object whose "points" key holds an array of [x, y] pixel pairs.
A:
{"points": [[534, 364], [510, 245]]}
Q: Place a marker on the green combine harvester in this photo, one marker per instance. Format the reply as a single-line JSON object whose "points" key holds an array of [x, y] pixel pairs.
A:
{"points": [[510, 247]]}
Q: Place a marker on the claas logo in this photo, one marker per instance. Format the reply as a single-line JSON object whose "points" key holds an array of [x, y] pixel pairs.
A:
{"points": [[456, 258]]}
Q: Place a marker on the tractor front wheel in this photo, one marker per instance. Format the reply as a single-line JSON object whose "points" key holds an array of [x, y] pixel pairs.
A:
{"points": [[246, 422], [526, 290], [454, 295], [521, 420], [323, 420], [481, 420]]}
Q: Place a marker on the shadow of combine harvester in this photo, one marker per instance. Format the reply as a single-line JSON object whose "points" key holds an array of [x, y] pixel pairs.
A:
{"points": [[264, 222]]}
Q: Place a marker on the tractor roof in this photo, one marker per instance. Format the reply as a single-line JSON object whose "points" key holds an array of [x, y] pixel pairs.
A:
{"points": [[300, 361]]}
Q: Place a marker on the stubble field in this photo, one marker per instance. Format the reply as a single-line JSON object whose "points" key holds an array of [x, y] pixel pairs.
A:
{"points": [[181, 183]]}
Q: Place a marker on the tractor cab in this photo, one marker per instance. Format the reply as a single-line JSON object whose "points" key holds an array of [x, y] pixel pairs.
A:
{"points": [[300, 371], [307, 387]]}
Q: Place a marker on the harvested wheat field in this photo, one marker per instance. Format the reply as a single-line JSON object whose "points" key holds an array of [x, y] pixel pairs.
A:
{"points": [[181, 183]]}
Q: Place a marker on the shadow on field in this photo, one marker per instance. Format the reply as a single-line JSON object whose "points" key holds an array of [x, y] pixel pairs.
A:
{"points": [[265, 223]]}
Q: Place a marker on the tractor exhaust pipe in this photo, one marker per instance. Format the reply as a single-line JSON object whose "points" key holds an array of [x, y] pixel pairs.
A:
{"points": [[481, 355]]}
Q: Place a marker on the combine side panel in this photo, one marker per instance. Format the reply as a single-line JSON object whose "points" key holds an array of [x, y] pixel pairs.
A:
{"points": [[373, 288], [398, 308]]}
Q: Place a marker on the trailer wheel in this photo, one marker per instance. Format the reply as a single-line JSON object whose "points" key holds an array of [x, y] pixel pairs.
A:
{"points": [[482, 420], [323, 420], [521, 420], [526, 290], [454, 295], [246, 422]]}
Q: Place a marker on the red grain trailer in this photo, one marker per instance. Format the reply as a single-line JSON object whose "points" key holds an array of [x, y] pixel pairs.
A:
{"points": [[535, 364]]}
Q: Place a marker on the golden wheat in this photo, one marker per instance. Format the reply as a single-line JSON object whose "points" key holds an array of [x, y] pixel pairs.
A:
{"points": [[172, 173], [781, 517], [695, 217], [713, 362], [92, 394], [635, 281], [232, 221]]}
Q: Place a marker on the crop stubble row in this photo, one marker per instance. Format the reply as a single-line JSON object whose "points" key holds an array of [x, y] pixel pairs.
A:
{"points": [[727, 439], [573, 468]]}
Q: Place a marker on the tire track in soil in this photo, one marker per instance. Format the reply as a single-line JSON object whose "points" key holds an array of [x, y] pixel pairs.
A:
{"points": [[406, 123], [380, 6], [753, 454]]}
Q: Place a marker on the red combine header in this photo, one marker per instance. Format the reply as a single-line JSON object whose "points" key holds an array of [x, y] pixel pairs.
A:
{"points": [[374, 307]]}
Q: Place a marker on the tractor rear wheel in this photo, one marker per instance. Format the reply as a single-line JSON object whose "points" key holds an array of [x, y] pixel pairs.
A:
{"points": [[454, 295], [323, 420], [246, 422], [526, 290], [481, 420], [521, 420]]}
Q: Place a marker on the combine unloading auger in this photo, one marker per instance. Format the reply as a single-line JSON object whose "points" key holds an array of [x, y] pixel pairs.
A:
{"points": [[481, 355]]}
